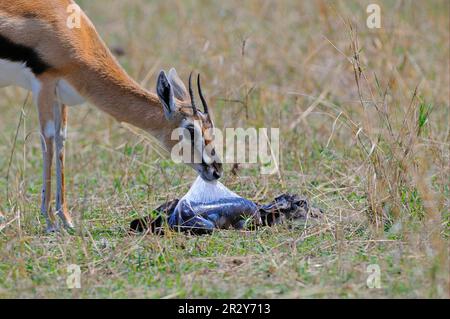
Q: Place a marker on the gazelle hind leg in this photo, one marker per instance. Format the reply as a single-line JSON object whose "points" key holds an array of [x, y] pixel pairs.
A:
{"points": [[60, 115]]}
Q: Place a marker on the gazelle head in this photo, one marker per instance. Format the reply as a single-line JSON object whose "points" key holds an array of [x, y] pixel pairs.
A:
{"points": [[181, 110]]}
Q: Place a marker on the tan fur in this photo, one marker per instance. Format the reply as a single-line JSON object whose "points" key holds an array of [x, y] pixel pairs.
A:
{"points": [[80, 57], [45, 109]]}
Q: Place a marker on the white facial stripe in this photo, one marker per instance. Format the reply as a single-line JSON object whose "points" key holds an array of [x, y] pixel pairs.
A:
{"points": [[206, 158], [202, 151]]}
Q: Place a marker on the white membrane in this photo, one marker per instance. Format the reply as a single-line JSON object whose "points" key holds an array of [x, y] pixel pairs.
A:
{"points": [[205, 192]]}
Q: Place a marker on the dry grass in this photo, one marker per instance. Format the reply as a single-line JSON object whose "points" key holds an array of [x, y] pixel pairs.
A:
{"points": [[364, 126]]}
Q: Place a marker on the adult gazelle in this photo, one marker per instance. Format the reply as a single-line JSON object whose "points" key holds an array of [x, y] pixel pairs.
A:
{"points": [[64, 65]]}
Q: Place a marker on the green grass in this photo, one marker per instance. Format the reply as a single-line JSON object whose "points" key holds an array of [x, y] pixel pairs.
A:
{"points": [[115, 176]]}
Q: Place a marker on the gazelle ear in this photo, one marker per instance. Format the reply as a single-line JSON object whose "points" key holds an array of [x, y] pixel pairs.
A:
{"points": [[166, 95], [177, 84]]}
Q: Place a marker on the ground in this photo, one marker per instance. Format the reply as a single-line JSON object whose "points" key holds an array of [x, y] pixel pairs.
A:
{"points": [[363, 118]]}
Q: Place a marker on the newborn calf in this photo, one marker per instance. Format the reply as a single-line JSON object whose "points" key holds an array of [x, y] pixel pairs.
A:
{"points": [[210, 205], [222, 214]]}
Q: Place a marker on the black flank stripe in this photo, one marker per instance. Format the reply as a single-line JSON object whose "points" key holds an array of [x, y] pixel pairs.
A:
{"points": [[20, 53]]}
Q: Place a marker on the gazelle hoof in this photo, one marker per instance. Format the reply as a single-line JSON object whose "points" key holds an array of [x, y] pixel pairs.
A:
{"points": [[66, 219]]}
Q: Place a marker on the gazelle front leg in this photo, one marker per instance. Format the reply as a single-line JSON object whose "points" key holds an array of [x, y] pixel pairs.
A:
{"points": [[45, 102], [47, 155], [60, 115]]}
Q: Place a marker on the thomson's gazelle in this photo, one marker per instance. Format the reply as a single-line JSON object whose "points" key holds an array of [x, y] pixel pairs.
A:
{"points": [[65, 66]]}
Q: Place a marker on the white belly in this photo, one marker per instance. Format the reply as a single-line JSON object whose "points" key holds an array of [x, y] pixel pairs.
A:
{"points": [[68, 94], [17, 74]]}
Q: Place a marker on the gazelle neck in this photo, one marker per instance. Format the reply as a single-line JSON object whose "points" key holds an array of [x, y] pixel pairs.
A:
{"points": [[121, 97]]}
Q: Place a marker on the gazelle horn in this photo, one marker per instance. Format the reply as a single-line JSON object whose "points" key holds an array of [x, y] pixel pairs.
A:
{"points": [[191, 93], [205, 105]]}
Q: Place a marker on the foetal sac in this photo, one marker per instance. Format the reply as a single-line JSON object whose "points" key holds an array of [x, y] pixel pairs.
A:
{"points": [[211, 205]]}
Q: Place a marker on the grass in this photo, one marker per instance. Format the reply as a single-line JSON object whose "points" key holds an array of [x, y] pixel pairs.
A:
{"points": [[364, 133]]}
